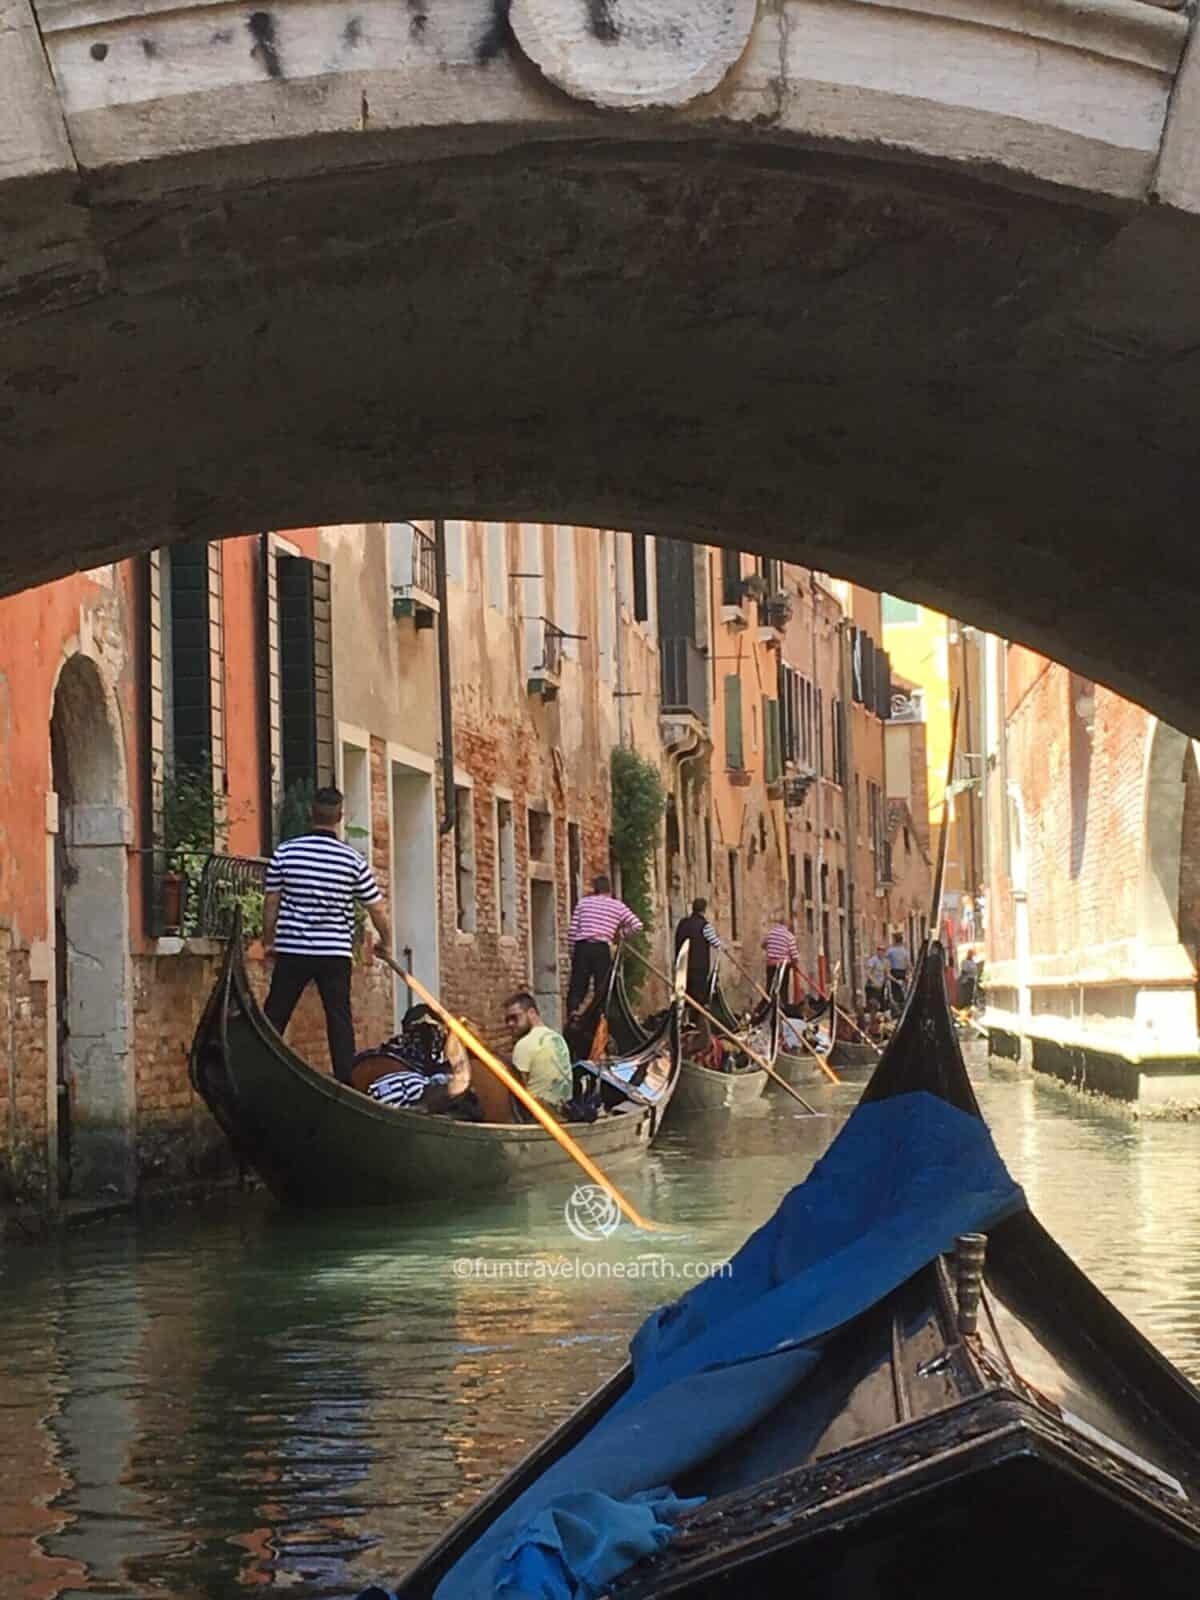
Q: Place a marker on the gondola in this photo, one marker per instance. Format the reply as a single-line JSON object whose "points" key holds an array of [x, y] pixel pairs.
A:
{"points": [[701, 1088], [317, 1142], [795, 1064], [866, 1406]]}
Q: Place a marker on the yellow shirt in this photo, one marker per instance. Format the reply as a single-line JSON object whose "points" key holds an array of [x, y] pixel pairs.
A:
{"points": [[544, 1061]]}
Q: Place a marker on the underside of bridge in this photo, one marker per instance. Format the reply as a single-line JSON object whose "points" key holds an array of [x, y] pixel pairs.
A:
{"points": [[953, 379]]}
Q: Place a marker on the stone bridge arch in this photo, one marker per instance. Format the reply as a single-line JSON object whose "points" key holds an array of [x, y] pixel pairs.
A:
{"points": [[910, 293]]}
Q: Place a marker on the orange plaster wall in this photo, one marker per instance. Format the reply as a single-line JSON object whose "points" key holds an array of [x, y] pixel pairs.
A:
{"points": [[38, 630]]}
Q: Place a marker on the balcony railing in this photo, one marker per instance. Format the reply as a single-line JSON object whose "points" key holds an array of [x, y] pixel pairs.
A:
{"points": [[546, 673], [417, 597], [684, 678], [227, 884]]}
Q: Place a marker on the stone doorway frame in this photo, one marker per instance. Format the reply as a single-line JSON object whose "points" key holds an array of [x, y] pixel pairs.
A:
{"points": [[94, 822]]}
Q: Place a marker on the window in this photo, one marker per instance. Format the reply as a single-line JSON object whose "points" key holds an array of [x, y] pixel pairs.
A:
{"points": [[455, 535], [496, 536], [819, 763], [808, 877], [735, 758], [356, 787], [303, 719], [774, 754], [564, 587], [185, 680], [897, 612], [839, 742], [604, 606], [506, 868], [464, 859], [731, 577], [641, 579], [735, 897], [541, 836], [574, 864], [791, 884], [841, 887], [708, 854]]}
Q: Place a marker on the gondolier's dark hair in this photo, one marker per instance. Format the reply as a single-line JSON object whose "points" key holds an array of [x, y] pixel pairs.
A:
{"points": [[328, 799], [699, 906], [601, 884], [522, 998]]}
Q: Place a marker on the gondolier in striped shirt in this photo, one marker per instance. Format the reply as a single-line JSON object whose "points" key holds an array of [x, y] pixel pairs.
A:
{"points": [[598, 922], [702, 939], [312, 885], [781, 951]]}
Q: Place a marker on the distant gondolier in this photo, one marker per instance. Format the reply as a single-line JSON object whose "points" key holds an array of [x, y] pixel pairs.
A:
{"points": [[312, 885], [899, 965], [597, 923], [702, 939], [781, 951]]}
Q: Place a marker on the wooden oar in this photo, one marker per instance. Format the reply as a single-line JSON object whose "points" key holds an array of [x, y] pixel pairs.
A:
{"points": [[729, 1034], [816, 1054], [516, 1087]]}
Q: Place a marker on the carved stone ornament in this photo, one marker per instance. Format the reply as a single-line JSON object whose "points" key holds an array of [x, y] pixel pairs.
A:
{"points": [[631, 53]]}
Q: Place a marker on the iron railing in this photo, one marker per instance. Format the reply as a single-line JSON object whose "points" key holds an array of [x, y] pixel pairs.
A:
{"points": [[424, 562], [684, 677], [550, 665], [225, 885]]}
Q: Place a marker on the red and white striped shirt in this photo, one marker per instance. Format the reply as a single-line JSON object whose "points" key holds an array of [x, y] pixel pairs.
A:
{"points": [[600, 916], [780, 945]]}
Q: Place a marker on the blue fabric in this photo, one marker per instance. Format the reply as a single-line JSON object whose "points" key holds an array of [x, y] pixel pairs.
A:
{"points": [[902, 1179], [575, 1547]]}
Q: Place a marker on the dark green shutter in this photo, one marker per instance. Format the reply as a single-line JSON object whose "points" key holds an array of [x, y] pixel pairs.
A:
{"points": [[734, 754], [191, 666], [305, 671]]}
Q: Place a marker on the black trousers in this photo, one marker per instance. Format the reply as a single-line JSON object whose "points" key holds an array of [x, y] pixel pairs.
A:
{"points": [[331, 974], [591, 962]]}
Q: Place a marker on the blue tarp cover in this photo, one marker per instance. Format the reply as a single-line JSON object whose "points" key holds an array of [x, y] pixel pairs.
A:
{"points": [[902, 1179]]}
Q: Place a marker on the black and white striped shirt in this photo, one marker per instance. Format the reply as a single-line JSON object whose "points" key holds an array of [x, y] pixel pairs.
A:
{"points": [[318, 877]]}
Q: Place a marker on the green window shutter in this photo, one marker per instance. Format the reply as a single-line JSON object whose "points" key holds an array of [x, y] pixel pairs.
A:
{"points": [[734, 754], [774, 762], [191, 668]]}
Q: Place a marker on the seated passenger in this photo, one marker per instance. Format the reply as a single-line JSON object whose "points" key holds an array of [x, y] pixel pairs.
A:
{"points": [[422, 1067], [540, 1055]]}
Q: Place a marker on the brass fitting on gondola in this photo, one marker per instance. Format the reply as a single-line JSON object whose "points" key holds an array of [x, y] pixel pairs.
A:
{"points": [[969, 1252]]}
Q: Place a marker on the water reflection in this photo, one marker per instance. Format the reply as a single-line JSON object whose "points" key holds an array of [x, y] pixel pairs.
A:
{"points": [[250, 1400]]}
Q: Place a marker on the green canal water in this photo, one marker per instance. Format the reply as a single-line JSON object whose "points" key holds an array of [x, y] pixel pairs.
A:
{"points": [[241, 1400]]}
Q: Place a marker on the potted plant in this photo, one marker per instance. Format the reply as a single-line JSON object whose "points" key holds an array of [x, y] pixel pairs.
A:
{"points": [[194, 823], [754, 586]]}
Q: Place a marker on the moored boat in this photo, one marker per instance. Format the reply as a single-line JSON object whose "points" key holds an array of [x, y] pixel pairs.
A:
{"points": [[317, 1142], [903, 1381]]}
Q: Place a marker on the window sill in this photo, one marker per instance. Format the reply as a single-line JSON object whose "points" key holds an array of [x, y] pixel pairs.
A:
{"points": [[508, 941], [461, 936], [173, 945]]}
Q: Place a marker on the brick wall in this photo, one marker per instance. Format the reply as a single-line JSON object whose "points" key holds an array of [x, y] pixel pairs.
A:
{"points": [[1189, 865], [23, 1174], [1084, 805]]}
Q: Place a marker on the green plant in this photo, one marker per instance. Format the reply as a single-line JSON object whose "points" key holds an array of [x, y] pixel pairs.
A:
{"points": [[194, 824], [295, 809], [638, 803]]}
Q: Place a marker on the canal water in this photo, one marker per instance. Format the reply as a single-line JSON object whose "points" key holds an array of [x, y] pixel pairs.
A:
{"points": [[243, 1400]]}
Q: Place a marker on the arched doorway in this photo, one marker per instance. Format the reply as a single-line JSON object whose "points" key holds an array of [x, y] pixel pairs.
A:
{"points": [[91, 1037]]}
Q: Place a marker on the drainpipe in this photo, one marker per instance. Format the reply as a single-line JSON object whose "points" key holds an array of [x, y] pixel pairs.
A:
{"points": [[449, 810]]}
